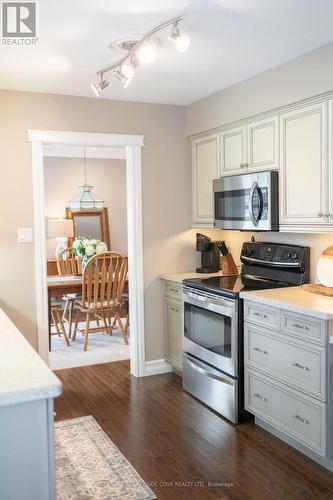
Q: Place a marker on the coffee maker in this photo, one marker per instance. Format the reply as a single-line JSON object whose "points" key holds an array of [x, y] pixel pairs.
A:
{"points": [[210, 254]]}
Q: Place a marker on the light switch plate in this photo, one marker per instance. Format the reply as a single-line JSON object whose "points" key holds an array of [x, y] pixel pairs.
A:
{"points": [[24, 235]]}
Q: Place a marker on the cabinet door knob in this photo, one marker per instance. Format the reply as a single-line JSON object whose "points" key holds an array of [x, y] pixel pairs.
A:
{"points": [[245, 164], [327, 214], [242, 165], [320, 214]]}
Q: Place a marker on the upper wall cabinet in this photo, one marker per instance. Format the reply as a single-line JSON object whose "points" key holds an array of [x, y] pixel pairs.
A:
{"points": [[250, 147], [233, 151], [262, 144], [205, 168], [304, 172]]}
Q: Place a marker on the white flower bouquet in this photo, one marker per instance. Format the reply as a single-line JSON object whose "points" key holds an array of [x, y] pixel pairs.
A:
{"points": [[87, 247]]}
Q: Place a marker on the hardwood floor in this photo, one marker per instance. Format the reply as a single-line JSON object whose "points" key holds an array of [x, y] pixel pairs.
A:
{"points": [[178, 445]]}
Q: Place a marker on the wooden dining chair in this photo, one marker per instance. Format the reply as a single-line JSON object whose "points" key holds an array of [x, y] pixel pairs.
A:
{"points": [[69, 264], [103, 283], [57, 321]]}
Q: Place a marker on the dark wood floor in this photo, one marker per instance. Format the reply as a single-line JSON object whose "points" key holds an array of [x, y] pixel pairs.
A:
{"points": [[173, 441]]}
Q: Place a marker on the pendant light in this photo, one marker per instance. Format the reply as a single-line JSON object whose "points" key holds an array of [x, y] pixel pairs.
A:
{"points": [[86, 199]]}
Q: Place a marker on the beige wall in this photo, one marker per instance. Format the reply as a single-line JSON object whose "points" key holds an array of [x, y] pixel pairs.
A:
{"points": [[303, 77], [166, 193], [64, 175], [306, 76]]}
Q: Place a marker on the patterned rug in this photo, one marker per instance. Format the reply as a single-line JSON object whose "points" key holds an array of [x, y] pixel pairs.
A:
{"points": [[90, 467]]}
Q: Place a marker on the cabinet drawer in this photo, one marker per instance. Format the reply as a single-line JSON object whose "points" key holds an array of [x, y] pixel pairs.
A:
{"points": [[298, 365], [301, 418], [174, 290], [261, 315], [304, 327]]}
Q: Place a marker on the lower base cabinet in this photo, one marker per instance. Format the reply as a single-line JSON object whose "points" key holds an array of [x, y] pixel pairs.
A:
{"points": [[173, 325], [287, 384]]}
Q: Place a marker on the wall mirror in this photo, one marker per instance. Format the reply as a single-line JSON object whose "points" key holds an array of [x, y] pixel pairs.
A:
{"points": [[91, 223]]}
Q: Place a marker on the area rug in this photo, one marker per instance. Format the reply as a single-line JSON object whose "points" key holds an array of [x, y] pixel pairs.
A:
{"points": [[102, 348], [90, 467]]}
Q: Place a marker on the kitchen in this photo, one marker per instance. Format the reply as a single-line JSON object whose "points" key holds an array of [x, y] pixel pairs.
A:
{"points": [[250, 345], [228, 390]]}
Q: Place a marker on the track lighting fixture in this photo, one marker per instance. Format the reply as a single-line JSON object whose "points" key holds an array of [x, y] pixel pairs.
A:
{"points": [[140, 51]]}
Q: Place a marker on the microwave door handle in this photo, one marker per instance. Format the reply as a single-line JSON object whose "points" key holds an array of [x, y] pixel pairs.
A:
{"points": [[254, 188]]}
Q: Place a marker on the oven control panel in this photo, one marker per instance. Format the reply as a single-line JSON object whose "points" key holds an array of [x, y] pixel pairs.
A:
{"points": [[274, 254]]}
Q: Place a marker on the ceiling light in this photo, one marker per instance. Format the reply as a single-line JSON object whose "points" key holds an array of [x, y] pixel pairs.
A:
{"points": [[146, 52], [124, 80], [86, 199], [181, 40], [142, 50], [98, 87], [128, 68]]}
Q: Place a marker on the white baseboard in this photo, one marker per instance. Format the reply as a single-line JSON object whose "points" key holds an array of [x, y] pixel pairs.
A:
{"points": [[156, 367]]}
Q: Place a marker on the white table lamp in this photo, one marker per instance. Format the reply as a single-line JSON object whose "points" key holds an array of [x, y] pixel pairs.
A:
{"points": [[61, 230]]}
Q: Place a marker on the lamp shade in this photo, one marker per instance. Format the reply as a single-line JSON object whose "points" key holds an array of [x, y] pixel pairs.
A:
{"points": [[60, 228], [86, 200], [325, 267]]}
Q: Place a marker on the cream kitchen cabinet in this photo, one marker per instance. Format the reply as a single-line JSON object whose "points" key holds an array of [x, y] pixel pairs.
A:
{"points": [[263, 144], [205, 168], [304, 187], [250, 147], [233, 151], [173, 324]]}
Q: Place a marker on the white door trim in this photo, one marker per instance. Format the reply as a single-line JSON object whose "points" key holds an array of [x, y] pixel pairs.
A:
{"points": [[133, 144]]}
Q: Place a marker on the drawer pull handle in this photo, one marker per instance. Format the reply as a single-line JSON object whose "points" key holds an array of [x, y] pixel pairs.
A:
{"points": [[262, 351], [296, 325], [173, 290], [174, 309], [302, 367], [303, 420], [259, 396], [260, 315]]}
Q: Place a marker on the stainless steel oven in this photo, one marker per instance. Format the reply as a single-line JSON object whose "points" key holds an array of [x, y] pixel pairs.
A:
{"points": [[247, 202], [210, 345]]}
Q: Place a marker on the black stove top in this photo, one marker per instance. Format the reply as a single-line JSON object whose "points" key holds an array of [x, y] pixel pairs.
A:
{"points": [[231, 286]]}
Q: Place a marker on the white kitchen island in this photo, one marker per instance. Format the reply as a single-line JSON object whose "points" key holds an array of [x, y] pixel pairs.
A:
{"points": [[27, 389]]}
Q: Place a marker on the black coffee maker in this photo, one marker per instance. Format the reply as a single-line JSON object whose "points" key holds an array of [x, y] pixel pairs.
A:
{"points": [[210, 253]]}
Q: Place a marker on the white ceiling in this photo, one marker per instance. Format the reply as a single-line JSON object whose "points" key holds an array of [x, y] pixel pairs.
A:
{"points": [[231, 41]]}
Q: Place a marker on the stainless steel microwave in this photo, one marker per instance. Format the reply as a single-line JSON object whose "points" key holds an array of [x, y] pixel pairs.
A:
{"points": [[247, 202]]}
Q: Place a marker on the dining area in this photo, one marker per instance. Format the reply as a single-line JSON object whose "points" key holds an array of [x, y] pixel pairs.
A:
{"points": [[87, 286]]}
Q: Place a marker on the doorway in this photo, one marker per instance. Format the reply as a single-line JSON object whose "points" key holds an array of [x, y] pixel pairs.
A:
{"points": [[132, 146]]}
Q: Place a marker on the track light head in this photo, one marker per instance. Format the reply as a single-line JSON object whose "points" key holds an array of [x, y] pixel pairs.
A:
{"points": [[181, 40], [145, 52], [98, 87], [125, 80], [128, 67]]}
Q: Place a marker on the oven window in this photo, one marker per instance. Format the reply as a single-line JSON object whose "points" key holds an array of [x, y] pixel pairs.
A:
{"points": [[234, 205], [208, 329]]}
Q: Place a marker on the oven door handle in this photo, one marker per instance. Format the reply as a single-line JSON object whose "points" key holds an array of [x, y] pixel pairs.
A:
{"points": [[254, 188], [204, 371], [208, 300]]}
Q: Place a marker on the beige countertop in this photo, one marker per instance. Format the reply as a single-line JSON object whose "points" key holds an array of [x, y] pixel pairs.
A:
{"points": [[294, 299], [179, 277], [23, 374]]}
